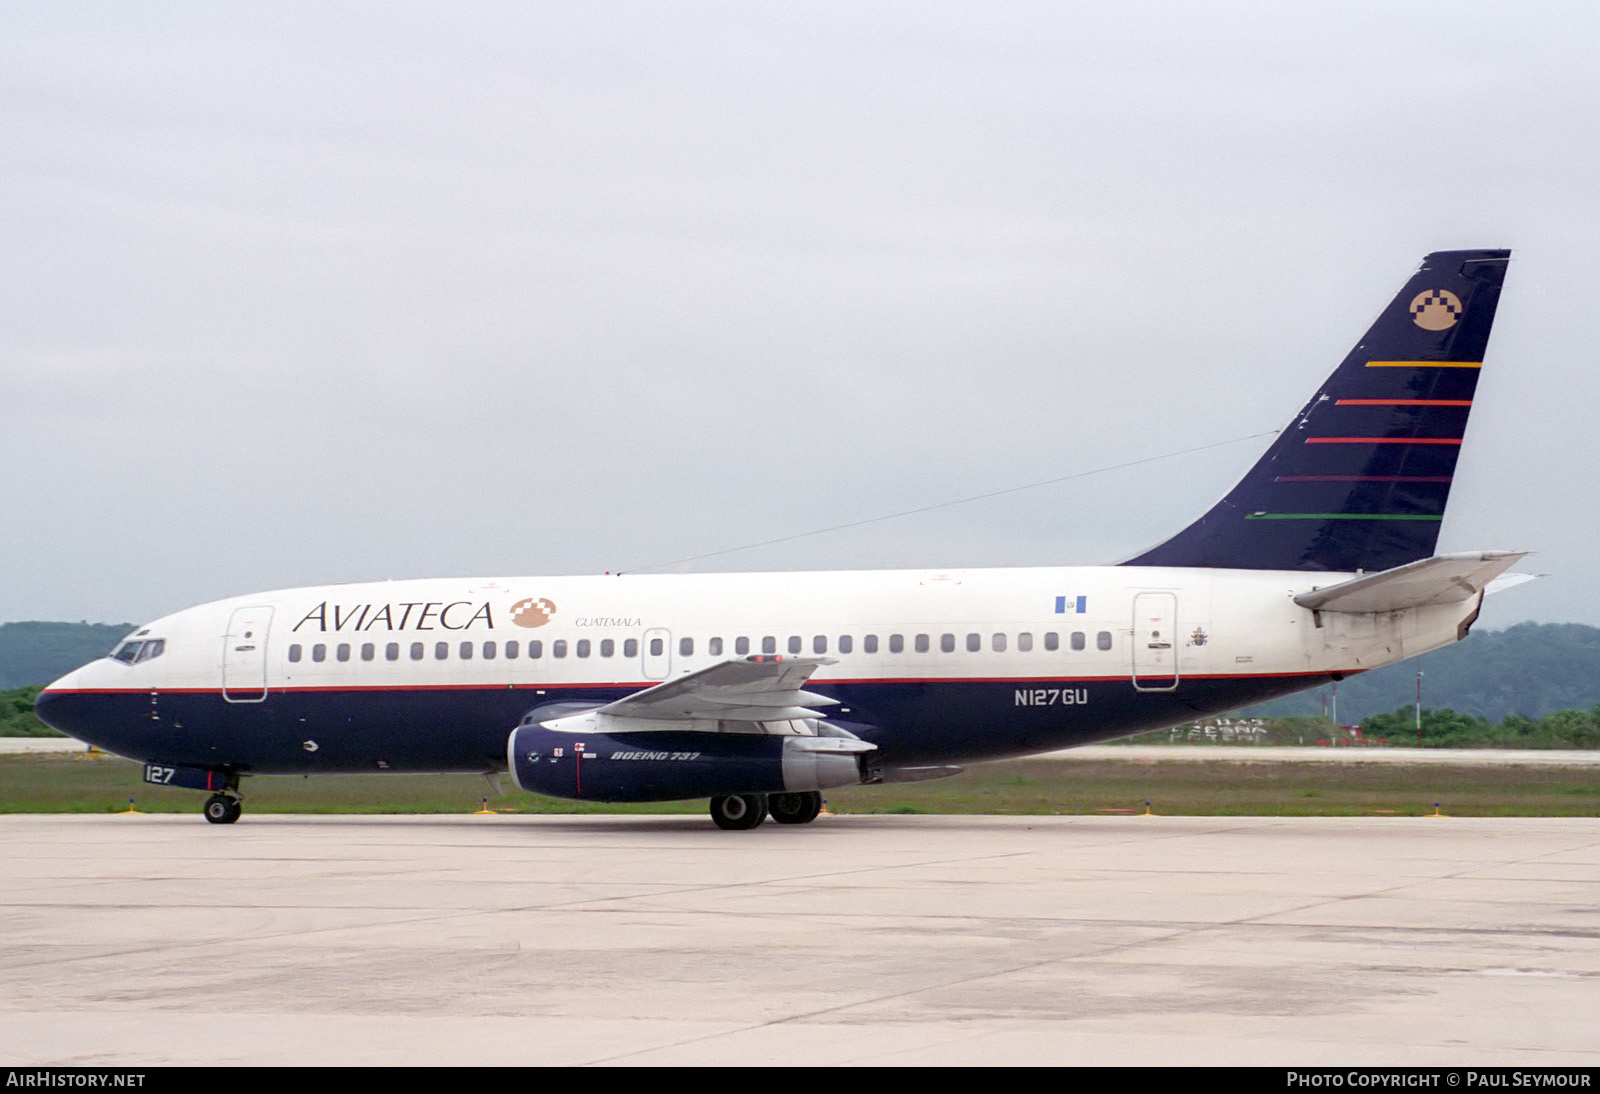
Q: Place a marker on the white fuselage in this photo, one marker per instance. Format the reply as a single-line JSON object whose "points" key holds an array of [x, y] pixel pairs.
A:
{"points": [[956, 664]]}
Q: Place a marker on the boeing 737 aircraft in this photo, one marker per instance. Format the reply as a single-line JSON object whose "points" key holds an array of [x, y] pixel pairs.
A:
{"points": [[761, 690]]}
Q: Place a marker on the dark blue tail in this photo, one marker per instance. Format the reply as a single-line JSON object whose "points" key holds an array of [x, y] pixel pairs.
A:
{"points": [[1359, 480]]}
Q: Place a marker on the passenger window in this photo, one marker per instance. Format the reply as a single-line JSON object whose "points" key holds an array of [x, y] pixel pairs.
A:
{"points": [[1078, 642], [441, 651], [466, 651], [535, 650], [1025, 642], [1052, 641], [319, 652], [974, 643], [1103, 640], [630, 647], [685, 647], [947, 642], [869, 644], [391, 652], [999, 643], [714, 647], [368, 651], [741, 646], [846, 643], [608, 647], [294, 653], [513, 648], [416, 651], [489, 651], [897, 643], [794, 643], [769, 644], [819, 644], [343, 652], [584, 647], [922, 643], [558, 648], [656, 647]]}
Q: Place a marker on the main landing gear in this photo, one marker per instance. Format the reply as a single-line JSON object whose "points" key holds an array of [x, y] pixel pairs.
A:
{"points": [[739, 812], [223, 808], [798, 807]]}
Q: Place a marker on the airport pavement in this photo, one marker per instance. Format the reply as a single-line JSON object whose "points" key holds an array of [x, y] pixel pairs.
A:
{"points": [[140, 940], [40, 744]]}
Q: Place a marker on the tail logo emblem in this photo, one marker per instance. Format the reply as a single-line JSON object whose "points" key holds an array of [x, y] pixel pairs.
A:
{"points": [[531, 612], [1436, 309]]}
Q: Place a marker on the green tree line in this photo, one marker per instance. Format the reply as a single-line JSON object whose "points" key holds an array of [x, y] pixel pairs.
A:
{"points": [[17, 718], [33, 654], [1533, 669], [1452, 729]]}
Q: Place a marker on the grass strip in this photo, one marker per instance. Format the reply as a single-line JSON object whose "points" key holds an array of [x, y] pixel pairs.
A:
{"points": [[73, 783]]}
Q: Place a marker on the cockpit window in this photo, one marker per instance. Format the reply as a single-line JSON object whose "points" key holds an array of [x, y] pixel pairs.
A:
{"points": [[134, 650]]}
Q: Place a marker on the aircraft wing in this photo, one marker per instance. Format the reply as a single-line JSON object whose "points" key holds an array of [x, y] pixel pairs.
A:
{"points": [[753, 689], [1443, 579]]}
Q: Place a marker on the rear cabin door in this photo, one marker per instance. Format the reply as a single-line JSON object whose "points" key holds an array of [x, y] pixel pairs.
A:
{"points": [[244, 655], [1155, 641]]}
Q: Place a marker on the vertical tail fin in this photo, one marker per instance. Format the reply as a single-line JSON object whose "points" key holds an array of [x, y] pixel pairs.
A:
{"points": [[1359, 479]]}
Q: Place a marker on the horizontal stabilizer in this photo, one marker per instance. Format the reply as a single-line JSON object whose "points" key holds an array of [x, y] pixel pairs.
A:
{"points": [[1509, 581], [1443, 579]]}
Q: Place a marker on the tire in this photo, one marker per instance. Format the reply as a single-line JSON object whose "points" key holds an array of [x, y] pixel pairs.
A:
{"points": [[222, 809], [738, 812], [800, 807]]}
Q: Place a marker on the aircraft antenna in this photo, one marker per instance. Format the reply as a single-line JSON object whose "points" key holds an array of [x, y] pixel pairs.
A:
{"points": [[954, 502]]}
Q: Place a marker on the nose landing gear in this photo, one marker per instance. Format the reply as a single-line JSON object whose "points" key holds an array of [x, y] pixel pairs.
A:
{"points": [[223, 808]]}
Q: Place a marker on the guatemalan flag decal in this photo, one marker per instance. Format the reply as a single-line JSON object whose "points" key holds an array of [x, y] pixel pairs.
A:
{"points": [[1077, 605]]}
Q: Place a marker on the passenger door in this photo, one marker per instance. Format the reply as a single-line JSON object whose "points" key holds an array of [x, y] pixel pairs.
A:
{"points": [[1155, 641], [244, 655]]}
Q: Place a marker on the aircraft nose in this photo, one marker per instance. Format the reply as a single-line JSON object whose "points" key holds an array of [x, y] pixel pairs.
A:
{"points": [[59, 705]]}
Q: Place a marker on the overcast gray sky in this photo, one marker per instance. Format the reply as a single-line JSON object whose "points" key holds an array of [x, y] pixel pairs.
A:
{"points": [[306, 292]]}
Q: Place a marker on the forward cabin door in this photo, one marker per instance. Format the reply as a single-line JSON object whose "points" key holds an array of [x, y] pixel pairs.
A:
{"points": [[244, 655], [656, 650], [1155, 641]]}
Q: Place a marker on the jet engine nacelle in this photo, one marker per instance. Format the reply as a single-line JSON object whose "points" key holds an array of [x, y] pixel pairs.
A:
{"points": [[667, 765]]}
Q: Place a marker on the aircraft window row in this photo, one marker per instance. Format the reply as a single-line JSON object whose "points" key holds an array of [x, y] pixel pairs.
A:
{"points": [[132, 651], [998, 641], [466, 651]]}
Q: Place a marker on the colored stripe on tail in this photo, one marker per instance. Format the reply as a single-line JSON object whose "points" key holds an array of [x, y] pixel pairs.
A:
{"points": [[1359, 480]]}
